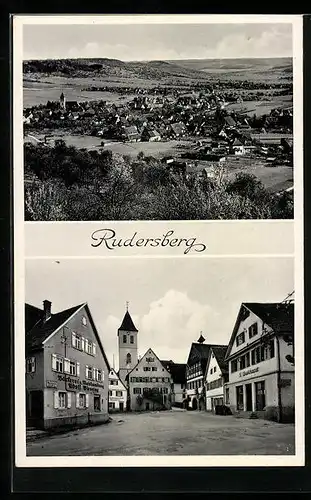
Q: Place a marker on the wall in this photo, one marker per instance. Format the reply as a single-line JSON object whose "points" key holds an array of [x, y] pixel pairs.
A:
{"points": [[113, 388], [34, 381], [55, 381], [216, 374], [244, 325], [178, 392]]}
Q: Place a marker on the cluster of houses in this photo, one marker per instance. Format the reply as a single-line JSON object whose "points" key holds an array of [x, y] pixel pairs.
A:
{"points": [[69, 381], [156, 118]]}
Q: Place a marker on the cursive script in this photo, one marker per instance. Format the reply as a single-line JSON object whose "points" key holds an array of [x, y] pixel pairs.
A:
{"points": [[111, 241]]}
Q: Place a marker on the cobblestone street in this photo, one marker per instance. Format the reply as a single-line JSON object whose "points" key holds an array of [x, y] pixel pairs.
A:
{"points": [[175, 432]]}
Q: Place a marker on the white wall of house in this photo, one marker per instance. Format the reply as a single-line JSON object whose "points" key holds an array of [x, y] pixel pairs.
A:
{"points": [[117, 394], [213, 373]]}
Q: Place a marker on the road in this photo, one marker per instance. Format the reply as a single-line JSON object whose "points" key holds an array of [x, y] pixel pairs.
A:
{"points": [[171, 433]]}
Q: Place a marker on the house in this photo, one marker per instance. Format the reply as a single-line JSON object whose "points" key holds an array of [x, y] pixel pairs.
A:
{"points": [[178, 374], [216, 375], [149, 384], [178, 129], [238, 147], [195, 371], [117, 393], [260, 355], [150, 135], [131, 134], [66, 368]]}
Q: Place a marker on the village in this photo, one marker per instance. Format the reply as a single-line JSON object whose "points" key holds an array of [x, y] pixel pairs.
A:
{"points": [[70, 383], [207, 128]]}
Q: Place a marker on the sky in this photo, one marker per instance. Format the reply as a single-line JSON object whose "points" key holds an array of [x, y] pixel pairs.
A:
{"points": [[170, 300], [157, 41]]}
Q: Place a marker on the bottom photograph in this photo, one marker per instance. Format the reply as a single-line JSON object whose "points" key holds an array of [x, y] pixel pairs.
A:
{"points": [[159, 356]]}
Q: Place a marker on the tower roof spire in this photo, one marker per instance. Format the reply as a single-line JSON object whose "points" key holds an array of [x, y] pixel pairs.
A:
{"points": [[127, 323]]}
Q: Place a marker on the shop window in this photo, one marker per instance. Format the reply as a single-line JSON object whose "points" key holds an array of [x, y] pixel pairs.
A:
{"points": [[31, 365], [240, 339], [57, 363], [239, 397], [253, 330], [260, 393], [137, 390]]}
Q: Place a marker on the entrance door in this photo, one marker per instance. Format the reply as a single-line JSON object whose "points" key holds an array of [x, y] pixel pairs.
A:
{"points": [[96, 403], [121, 406], [249, 399], [36, 405], [147, 406]]}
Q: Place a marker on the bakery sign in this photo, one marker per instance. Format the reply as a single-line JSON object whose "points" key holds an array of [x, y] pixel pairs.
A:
{"points": [[249, 372]]}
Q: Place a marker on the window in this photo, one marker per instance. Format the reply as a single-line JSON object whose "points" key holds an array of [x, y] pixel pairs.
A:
{"points": [[124, 339], [90, 348], [82, 400], [253, 330], [214, 369], [72, 368], [247, 361], [147, 368], [239, 397], [260, 395], [110, 393], [132, 339], [84, 321], [112, 406], [99, 375], [119, 394], [137, 390], [165, 390], [30, 365], [128, 359], [211, 371], [57, 363], [150, 360], [234, 366], [154, 368], [88, 372], [62, 399], [240, 339], [76, 341], [271, 348], [113, 382], [227, 397]]}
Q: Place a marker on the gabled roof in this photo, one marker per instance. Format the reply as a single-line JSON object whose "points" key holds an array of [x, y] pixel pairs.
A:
{"points": [[116, 376], [202, 351], [127, 324], [279, 316], [177, 370], [139, 361], [220, 353], [37, 331]]}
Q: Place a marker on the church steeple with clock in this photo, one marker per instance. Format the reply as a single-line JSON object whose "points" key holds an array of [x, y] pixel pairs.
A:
{"points": [[128, 345]]}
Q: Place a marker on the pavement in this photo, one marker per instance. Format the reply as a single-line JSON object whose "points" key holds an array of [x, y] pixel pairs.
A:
{"points": [[171, 433]]}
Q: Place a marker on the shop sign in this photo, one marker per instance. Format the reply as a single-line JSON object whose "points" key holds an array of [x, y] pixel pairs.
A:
{"points": [[75, 384], [249, 372], [52, 384]]}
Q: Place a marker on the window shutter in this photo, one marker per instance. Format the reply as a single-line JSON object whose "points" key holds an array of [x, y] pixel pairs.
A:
{"points": [[55, 399], [73, 339], [86, 367], [68, 399], [78, 369], [53, 362], [83, 343], [94, 349], [94, 373], [87, 400], [66, 365], [77, 399]]}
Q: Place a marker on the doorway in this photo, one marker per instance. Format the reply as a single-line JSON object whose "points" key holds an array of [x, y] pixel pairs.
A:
{"points": [[249, 399], [96, 403], [147, 406], [35, 408], [121, 406]]}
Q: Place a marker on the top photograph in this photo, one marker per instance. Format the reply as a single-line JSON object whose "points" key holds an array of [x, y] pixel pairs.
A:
{"points": [[158, 121]]}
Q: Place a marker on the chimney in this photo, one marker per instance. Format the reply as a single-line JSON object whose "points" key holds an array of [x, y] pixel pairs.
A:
{"points": [[46, 310]]}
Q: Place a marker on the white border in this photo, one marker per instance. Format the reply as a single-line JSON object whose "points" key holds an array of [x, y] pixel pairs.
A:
{"points": [[19, 248]]}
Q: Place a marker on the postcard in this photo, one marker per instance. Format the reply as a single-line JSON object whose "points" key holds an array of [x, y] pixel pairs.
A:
{"points": [[158, 257]]}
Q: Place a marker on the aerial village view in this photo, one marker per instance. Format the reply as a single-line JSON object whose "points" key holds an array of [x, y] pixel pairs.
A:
{"points": [[161, 140]]}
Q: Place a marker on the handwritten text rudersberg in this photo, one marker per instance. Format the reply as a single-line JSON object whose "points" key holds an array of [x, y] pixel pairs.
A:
{"points": [[111, 241]]}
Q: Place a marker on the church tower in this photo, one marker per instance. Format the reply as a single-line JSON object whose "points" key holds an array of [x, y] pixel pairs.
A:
{"points": [[62, 101], [128, 346]]}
